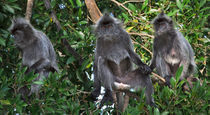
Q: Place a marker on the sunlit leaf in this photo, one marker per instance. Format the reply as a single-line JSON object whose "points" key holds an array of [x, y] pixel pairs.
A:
{"points": [[79, 3], [5, 102], [178, 3], [128, 29], [202, 2]]}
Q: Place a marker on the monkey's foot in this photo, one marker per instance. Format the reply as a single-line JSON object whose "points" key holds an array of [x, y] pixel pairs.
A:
{"points": [[93, 96], [168, 78], [107, 99], [153, 105]]}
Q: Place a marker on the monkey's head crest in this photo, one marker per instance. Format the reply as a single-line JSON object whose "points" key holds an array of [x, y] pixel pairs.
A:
{"points": [[107, 26], [19, 23]]}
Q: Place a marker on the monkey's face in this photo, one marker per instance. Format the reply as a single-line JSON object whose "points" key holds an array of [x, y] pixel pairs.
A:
{"points": [[162, 24], [21, 33]]}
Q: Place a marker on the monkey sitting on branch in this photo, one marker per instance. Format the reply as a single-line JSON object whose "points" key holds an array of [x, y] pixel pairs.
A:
{"points": [[114, 57], [37, 51], [171, 50]]}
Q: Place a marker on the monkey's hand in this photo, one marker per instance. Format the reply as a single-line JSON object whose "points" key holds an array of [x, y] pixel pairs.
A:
{"points": [[168, 78], [145, 69]]}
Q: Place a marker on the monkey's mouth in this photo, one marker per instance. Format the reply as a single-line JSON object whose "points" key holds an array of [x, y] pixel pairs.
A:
{"points": [[162, 27]]}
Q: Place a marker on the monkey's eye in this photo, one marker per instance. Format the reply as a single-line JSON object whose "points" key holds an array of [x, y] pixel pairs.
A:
{"points": [[106, 23], [160, 20]]}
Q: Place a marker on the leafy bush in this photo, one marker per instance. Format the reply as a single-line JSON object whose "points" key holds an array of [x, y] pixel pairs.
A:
{"points": [[68, 91]]}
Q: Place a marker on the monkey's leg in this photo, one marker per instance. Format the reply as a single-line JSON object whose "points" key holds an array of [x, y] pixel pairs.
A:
{"points": [[97, 82], [148, 92], [135, 58], [39, 65], [120, 101], [107, 98], [97, 88], [36, 87], [126, 102], [163, 69], [153, 61]]}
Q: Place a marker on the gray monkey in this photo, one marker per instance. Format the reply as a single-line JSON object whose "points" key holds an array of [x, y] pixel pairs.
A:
{"points": [[113, 56], [37, 51], [171, 50]]}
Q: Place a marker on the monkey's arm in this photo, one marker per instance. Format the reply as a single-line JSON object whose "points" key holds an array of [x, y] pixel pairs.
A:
{"points": [[134, 57], [39, 65], [153, 61]]}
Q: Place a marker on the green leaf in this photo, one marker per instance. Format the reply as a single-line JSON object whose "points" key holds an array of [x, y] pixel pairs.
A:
{"points": [[165, 113], [9, 8], [79, 76], [132, 7], [70, 60], [80, 34], [172, 13], [79, 3], [12, 0], [1, 17], [38, 82], [178, 73], [202, 2], [2, 42], [72, 3], [53, 3], [156, 111], [178, 3], [82, 22], [145, 4], [5, 102], [125, 16]]}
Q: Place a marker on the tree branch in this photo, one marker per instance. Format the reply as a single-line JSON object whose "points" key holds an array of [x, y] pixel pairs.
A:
{"points": [[95, 13], [29, 10], [64, 40]]}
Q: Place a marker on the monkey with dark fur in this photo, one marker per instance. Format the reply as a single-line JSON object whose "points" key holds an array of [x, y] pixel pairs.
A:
{"points": [[113, 57], [171, 50], [38, 54]]}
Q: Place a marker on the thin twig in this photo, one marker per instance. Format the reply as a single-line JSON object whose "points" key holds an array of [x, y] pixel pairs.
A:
{"points": [[132, 1], [120, 4], [141, 34], [159, 77]]}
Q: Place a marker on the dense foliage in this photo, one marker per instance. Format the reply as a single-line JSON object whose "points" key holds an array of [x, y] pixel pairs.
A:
{"points": [[68, 91]]}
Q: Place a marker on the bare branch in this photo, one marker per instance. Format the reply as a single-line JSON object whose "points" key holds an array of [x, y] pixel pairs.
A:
{"points": [[141, 34], [93, 9], [120, 4], [132, 1], [29, 10]]}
